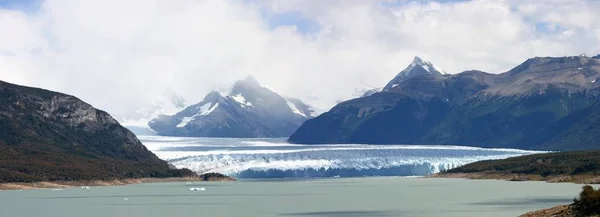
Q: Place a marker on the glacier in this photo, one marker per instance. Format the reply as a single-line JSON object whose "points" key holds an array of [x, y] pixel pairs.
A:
{"points": [[274, 158]]}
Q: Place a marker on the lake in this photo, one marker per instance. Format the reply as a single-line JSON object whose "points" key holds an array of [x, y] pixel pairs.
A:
{"points": [[333, 197]]}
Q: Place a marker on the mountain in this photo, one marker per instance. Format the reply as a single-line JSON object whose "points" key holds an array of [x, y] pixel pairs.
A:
{"points": [[249, 110], [416, 68], [545, 103], [50, 136]]}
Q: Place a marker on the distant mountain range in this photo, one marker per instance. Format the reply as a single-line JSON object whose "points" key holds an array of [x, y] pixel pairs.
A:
{"points": [[545, 103], [50, 136], [249, 110]]}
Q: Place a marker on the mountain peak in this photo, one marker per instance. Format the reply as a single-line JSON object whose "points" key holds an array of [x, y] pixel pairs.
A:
{"points": [[428, 66], [417, 67], [417, 59], [212, 96], [248, 110], [243, 86], [250, 79]]}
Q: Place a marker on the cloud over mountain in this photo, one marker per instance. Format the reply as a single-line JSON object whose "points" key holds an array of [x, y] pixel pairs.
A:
{"points": [[119, 55]]}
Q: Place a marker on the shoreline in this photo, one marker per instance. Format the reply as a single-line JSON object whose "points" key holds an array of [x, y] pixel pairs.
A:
{"points": [[10, 186], [576, 179], [560, 210]]}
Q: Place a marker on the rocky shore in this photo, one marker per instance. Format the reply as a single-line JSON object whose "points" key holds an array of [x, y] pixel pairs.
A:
{"points": [[578, 179], [70, 184], [557, 211]]}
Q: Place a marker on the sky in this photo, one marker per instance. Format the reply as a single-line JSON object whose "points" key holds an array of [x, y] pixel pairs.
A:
{"points": [[122, 56]]}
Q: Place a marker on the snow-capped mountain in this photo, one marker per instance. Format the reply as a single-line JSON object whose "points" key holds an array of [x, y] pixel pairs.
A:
{"points": [[417, 67], [545, 103], [248, 110]]}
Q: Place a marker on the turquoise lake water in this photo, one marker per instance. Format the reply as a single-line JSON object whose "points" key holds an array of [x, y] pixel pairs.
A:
{"points": [[376, 196]]}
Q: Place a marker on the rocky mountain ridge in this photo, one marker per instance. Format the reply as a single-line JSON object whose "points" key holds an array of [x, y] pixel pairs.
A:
{"points": [[540, 104]]}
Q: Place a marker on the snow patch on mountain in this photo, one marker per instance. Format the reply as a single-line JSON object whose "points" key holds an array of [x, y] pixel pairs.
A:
{"points": [[204, 110], [294, 109], [241, 100], [186, 120], [438, 69]]}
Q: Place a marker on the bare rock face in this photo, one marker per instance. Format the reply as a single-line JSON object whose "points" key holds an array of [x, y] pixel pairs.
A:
{"points": [[54, 136], [75, 113], [545, 103]]}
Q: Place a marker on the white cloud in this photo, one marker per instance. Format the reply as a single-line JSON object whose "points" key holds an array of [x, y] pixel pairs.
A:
{"points": [[119, 55]]}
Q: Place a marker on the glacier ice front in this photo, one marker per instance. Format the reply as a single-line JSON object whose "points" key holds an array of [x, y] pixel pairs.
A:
{"points": [[274, 158]]}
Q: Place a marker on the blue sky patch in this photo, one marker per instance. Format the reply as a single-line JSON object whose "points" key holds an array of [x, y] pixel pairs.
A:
{"points": [[396, 3], [303, 24], [22, 5]]}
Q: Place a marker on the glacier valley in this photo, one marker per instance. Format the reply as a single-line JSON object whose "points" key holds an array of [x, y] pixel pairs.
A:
{"points": [[275, 158]]}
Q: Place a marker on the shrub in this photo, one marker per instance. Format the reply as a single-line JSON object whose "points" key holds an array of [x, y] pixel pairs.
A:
{"points": [[588, 202]]}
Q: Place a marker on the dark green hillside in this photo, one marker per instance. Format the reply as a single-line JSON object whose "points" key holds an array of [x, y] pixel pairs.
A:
{"points": [[49, 136], [548, 121], [545, 103], [559, 163]]}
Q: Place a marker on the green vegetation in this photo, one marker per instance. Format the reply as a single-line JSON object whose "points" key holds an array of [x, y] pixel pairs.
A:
{"points": [[554, 120], [34, 163], [49, 136], [215, 177], [550, 164], [588, 202]]}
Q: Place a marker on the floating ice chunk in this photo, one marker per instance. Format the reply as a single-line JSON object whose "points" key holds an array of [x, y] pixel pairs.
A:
{"points": [[85, 187], [197, 189]]}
